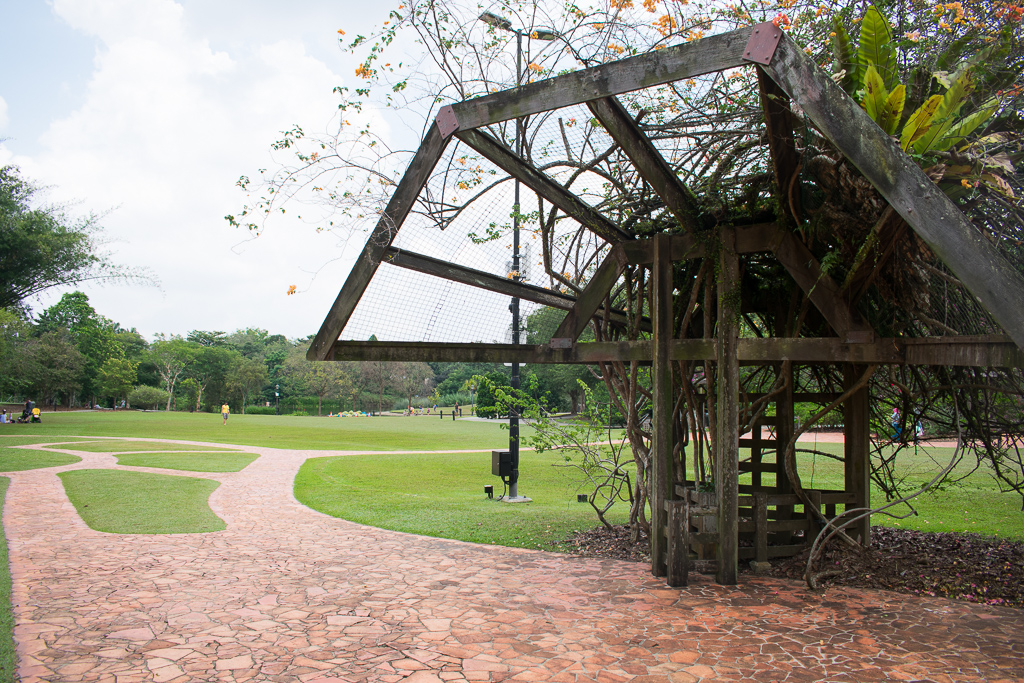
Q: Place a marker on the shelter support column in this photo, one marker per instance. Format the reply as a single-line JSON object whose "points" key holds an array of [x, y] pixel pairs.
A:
{"points": [[727, 460], [856, 449], [662, 479]]}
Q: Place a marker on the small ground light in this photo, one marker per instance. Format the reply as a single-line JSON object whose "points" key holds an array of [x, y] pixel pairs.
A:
{"points": [[489, 490], [581, 498]]}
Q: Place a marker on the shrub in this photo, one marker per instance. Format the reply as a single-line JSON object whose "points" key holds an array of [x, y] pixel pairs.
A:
{"points": [[260, 410], [147, 397]]}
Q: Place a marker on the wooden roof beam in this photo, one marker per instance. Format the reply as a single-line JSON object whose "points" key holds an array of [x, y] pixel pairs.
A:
{"points": [[674, 63], [482, 280], [648, 161], [544, 185], [935, 219], [381, 237], [986, 352]]}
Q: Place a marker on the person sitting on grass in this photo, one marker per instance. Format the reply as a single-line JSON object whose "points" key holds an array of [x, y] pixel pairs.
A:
{"points": [[35, 415]]}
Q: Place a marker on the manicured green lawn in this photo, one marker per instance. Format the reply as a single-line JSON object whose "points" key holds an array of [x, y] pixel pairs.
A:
{"points": [[305, 433], [190, 462], [974, 504], [8, 654], [121, 446], [122, 502], [18, 459], [443, 495]]}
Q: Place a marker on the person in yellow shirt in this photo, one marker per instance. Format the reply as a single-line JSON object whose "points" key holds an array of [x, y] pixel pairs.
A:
{"points": [[224, 411]]}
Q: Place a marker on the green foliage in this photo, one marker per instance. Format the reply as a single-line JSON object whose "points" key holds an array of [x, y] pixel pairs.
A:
{"points": [[41, 247], [117, 376], [147, 398], [120, 502], [936, 124], [487, 392]]}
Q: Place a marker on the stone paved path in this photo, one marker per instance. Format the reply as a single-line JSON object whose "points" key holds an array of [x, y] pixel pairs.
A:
{"points": [[287, 594]]}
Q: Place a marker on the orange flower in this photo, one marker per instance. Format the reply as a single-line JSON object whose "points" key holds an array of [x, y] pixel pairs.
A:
{"points": [[291, 290]]}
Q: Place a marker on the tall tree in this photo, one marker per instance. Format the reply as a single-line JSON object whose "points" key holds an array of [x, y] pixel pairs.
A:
{"points": [[246, 379], [55, 367], [171, 356], [43, 247]]}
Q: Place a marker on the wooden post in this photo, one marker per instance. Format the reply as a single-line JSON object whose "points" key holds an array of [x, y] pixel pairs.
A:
{"points": [[661, 419], [856, 450], [727, 462], [678, 550], [760, 527]]}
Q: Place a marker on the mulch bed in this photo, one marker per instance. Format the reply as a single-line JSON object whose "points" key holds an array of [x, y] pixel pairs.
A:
{"points": [[968, 567]]}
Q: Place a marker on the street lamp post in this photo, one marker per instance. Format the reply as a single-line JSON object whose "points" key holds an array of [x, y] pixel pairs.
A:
{"points": [[277, 399], [513, 418]]}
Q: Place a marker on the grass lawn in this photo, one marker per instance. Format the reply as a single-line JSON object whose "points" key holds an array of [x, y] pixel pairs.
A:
{"points": [[190, 462], [119, 446], [974, 504], [304, 433], [19, 459], [122, 502], [8, 654], [443, 495]]}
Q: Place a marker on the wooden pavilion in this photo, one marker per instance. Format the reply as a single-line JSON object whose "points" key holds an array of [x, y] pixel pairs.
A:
{"points": [[748, 521]]}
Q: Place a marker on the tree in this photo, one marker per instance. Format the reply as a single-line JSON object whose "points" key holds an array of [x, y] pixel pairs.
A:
{"points": [[171, 356], [147, 397], [189, 391], [246, 379], [320, 379], [95, 336], [117, 377], [410, 379], [209, 369], [379, 377], [54, 366], [42, 247]]}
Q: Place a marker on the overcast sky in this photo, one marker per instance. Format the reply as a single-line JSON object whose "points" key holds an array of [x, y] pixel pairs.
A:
{"points": [[151, 110]]}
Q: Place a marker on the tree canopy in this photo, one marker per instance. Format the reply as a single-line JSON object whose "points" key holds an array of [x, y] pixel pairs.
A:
{"points": [[42, 246]]}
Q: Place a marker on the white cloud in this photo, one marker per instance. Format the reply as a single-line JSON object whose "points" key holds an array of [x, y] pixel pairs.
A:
{"points": [[3, 113], [166, 126]]}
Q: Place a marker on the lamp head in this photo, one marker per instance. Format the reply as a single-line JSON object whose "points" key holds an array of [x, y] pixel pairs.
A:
{"points": [[497, 22]]}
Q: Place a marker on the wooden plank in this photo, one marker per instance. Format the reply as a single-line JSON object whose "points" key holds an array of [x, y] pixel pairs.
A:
{"points": [[727, 457], [674, 63], [590, 299], [678, 553], [381, 237], [936, 220], [760, 528], [781, 147], [662, 432], [477, 278], [978, 352], [820, 288], [857, 450], [544, 185], [649, 162], [593, 352], [750, 351], [817, 350]]}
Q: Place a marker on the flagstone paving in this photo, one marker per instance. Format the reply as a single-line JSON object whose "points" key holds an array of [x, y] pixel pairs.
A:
{"points": [[287, 594]]}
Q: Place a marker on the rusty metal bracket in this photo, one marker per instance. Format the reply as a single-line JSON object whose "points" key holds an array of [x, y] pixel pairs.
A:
{"points": [[763, 40], [446, 121]]}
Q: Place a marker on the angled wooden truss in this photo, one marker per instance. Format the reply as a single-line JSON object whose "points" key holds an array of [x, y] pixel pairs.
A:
{"points": [[784, 72]]}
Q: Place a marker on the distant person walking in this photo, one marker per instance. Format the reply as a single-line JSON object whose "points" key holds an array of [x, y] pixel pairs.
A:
{"points": [[224, 412]]}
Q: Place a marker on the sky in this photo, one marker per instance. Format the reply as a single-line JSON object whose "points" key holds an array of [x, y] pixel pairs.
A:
{"points": [[147, 112]]}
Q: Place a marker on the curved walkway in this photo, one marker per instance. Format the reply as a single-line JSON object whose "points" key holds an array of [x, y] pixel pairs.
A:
{"points": [[290, 595]]}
